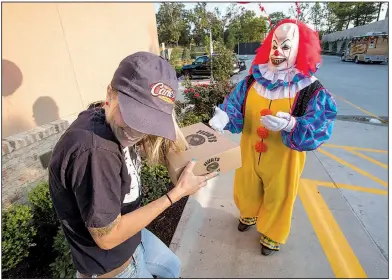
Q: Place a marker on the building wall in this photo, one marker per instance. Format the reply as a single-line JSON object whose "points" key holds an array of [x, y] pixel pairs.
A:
{"points": [[25, 157], [339, 46], [58, 58]]}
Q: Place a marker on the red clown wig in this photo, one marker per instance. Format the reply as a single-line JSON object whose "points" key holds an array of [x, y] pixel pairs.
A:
{"points": [[309, 48]]}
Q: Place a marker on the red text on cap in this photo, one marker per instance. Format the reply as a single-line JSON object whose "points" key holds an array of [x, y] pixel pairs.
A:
{"points": [[163, 91]]}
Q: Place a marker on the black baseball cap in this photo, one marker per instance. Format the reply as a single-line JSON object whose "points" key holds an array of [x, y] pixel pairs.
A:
{"points": [[147, 87]]}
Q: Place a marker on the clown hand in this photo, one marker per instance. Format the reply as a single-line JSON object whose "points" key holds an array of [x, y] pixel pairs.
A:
{"points": [[282, 121], [219, 121]]}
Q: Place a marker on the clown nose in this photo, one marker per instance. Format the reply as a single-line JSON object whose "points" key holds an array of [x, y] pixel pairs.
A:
{"points": [[276, 53]]}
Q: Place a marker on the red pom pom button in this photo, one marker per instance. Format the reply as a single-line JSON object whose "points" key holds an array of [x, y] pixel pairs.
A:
{"points": [[266, 112], [261, 147], [262, 132]]}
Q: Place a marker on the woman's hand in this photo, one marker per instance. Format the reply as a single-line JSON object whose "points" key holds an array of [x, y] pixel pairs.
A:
{"points": [[188, 183], [129, 224]]}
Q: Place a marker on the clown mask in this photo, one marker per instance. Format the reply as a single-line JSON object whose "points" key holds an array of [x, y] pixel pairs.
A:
{"points": [[284, 48]]}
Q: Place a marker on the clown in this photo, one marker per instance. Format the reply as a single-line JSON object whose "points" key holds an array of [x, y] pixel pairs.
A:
{"points": [[282, 111]]}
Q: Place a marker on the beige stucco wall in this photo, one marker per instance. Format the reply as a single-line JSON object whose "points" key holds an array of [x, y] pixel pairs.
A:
{"points": [[59, 57]]}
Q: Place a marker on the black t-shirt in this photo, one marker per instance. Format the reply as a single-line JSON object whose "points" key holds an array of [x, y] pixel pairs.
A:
{"points": [[92, 180]]}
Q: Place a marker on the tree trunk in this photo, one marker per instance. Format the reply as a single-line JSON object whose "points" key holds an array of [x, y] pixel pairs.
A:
{"points": [[348, 21], [356, 21], [357, 16], [379, 11]]}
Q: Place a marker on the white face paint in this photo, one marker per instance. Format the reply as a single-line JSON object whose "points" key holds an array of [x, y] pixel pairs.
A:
{"points": [[284, 48]]}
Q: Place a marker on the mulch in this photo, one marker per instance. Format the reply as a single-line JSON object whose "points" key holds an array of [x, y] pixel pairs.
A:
{"points": [[165, 225]]}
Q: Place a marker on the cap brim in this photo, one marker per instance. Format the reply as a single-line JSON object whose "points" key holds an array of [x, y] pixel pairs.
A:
{"points": [[146, 119]]}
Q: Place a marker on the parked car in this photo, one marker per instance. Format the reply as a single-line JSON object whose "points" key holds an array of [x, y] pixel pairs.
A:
{"points": [[242, 63], [201, 67]]}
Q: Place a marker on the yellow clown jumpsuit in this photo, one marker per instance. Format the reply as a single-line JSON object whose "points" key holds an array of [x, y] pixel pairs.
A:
{"points": [[267, 189]]}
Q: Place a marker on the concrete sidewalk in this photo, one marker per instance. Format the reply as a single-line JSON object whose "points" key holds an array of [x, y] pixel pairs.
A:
{"points": [[207, 236]]}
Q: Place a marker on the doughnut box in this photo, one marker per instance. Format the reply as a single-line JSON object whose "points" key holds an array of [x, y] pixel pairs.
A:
{"points": [[211, 150]]}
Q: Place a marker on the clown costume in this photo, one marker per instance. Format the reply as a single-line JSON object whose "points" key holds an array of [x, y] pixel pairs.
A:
{"points": [[282, 111]]}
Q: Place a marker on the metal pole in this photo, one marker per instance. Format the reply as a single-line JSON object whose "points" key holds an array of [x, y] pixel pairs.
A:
{"points": [[211, 52]]}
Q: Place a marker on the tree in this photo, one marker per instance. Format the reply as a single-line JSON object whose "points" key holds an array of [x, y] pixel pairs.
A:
{"points": [[356, 13], [329, 18], [344, 14], [186, 36], [365, 12], [276, 17], [379, 10], [170, 22], [200, 20], [246, 27], [316, 15], [204, 21], [252, 28], [305, 11], [231, 13], [232, 34], [222, 63], [216, 25], [232, 25]]}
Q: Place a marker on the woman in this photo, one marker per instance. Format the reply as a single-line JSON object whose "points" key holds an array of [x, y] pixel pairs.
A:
{"points": [[94, 174]]}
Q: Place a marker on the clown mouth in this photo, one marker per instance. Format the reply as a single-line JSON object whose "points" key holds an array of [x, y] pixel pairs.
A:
{"points": [[277, 60]]}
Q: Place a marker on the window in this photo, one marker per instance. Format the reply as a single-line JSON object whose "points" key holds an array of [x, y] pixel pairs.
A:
{"points": [[201, 59]]}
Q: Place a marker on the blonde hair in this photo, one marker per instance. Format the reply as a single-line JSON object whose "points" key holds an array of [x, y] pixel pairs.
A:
{"points": [[154, 148]]}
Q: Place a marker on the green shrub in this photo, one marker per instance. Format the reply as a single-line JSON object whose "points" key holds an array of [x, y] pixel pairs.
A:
{"points": [[222, 63], [178, 107], [175, 57], [205, 97], [190, 118], [186, 55], [45, 218], [178, 70], [155, 182], [17, 235], [63, 266], [187, 82], [186, 116], [199, 49], [42, 205]]}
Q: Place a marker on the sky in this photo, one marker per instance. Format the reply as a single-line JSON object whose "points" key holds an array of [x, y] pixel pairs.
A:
{"points": [[269, 7]]}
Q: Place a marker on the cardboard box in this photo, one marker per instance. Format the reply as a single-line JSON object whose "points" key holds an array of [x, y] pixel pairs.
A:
{"points": [[212, 151]]}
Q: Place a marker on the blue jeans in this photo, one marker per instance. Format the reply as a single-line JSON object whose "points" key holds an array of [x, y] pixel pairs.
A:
{"points": [[152, 257]]}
